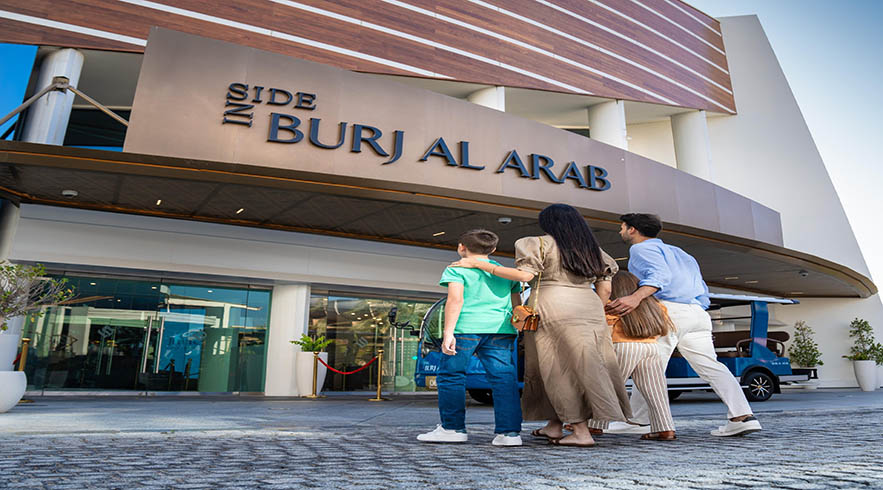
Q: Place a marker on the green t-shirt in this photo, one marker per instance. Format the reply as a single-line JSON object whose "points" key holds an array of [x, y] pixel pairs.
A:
{"points": [[487, 304]]}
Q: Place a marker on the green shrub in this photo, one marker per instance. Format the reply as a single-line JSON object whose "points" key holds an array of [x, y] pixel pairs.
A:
{"points": [[309, 344], [803, 350], [865, 347], [24, 288]]}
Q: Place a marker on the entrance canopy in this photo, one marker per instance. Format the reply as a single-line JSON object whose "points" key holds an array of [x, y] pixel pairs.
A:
{"points": [[259, 196]]}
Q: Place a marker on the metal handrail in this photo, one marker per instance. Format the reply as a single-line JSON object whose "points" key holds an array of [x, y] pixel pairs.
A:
{"points": [[62, 84]]}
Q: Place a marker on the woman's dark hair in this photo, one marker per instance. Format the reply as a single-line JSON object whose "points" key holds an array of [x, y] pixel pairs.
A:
{"points": [[648, 225], [648, 319], [580, 253]]}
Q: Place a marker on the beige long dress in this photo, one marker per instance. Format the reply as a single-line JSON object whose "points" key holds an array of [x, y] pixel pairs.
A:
{"points": [[570, 367]]}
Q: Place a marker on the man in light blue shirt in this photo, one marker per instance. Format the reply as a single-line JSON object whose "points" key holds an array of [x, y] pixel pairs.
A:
{"points": [[673, 276]]}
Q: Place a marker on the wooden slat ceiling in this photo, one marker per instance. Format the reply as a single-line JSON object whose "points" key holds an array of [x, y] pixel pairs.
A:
{"points": [[404, 222], [650, 51]]}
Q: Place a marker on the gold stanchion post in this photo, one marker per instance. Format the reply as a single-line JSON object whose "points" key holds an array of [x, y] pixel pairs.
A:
{"points": [[315, 376], [379, 377], [25, 342], [24, 353]]}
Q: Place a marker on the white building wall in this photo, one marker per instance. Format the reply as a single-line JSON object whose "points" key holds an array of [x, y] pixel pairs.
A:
{"points": [[767, 154], [654, 141], [72, 236]]}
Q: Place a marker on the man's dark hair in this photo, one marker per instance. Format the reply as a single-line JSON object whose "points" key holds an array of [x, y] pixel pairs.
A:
{"points": [[479, 241], [648, 225]]}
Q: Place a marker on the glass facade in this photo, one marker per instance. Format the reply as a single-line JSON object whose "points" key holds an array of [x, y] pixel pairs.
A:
{"points": [[121, 334], [358, 326]]}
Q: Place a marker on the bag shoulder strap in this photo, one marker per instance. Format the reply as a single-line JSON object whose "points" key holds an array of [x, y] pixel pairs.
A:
{"points": [[536, 295]]}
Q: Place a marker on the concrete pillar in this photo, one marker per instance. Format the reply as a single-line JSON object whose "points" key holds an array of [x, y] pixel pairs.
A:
{"points": [[607, 123], [47, 118], [9, 216], [692, 144], [493, 97], [289, 318]]}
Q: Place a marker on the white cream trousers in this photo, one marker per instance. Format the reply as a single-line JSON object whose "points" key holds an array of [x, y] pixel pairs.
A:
{"points": [[693, 340]]}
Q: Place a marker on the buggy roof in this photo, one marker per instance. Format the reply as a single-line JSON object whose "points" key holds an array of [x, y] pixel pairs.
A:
{"points": [[723, 300]]}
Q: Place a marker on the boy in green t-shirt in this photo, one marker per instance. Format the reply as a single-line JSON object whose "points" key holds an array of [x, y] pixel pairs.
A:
{"points": [[477, 314]]}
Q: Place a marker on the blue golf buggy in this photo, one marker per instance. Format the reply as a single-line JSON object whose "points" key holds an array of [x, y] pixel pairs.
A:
{"points": [[755, 356]]}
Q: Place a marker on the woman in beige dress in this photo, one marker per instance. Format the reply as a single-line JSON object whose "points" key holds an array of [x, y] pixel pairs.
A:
{"points": [[571, 372]]}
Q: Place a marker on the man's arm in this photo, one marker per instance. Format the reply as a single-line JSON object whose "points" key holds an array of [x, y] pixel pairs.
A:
{"points": [[653, 274], [627, 304], [453, 306]]}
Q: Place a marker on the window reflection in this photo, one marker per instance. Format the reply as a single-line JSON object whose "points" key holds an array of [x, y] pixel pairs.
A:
{"points": [[151, 335], [359, 327]]}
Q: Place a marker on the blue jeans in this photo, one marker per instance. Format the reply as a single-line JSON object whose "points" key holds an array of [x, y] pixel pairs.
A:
{"points": [[495, 353]]}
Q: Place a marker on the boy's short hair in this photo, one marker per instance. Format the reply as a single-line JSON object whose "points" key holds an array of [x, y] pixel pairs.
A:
{"points": [[479, 241], [648, 225]]}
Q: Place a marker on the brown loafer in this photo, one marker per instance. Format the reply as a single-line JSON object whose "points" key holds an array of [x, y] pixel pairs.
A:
{"points": [[666, 435], [595, 432]]}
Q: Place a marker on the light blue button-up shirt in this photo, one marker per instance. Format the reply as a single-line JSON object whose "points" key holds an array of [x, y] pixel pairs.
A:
{"points": [[671, 270]]}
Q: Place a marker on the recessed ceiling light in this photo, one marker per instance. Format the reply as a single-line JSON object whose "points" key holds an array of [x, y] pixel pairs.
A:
{"points": [[751, 282], [438, 234], [240, 210], [796, 292], [210, 291], [731, 278], [621, 258], [93, 283], [152, 287], [158, 202], [70, 193]]}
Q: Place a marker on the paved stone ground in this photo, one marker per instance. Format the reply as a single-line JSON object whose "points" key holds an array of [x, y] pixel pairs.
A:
{"points": [[283, 444]]}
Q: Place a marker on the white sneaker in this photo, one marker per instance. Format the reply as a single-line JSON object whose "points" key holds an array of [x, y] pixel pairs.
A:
{"points": [[504, 440], [742, 428], [626, 428], [440, 434]]}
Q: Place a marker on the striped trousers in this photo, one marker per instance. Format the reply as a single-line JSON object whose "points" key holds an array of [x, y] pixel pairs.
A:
{"points": [[642, 362]]}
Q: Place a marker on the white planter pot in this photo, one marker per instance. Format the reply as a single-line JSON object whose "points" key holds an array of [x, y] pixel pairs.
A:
{"points": [[9, 340], [880, 375], [866, 374], [12, 388], [303, 372]]}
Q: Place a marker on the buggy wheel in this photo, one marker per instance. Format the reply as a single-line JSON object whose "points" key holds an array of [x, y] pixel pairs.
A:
{"points": [[482, 396], [672, 394], [760, 386]]}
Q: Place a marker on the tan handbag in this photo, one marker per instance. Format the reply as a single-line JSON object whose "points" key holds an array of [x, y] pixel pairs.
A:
{"points": [[525, 318]]}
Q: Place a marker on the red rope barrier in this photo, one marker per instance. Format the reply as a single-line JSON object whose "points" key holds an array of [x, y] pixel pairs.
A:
{"points": [[16, 360], [347, 372]]}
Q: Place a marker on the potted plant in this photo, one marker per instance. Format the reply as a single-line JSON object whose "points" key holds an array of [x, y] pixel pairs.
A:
{"points": [[804, 352], [23, 288], [303, 363], [864, 354]]}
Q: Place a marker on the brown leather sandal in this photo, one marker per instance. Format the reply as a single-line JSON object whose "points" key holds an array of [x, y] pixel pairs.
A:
{"points": [[666, 435], [595, 432], [540, 433], [557, 442]]}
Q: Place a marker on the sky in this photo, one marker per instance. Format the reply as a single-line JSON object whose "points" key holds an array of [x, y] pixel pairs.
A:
{"points": [[830, 52]]}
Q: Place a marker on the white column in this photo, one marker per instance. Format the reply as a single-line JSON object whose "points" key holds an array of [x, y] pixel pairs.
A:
{"points": [[47, 118], [493, 97], [692, 144], [607, 123], [289, 318], [9, 216]]}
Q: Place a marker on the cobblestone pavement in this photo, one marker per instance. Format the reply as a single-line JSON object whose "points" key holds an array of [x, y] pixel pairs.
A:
{"points": [[812, 449]]}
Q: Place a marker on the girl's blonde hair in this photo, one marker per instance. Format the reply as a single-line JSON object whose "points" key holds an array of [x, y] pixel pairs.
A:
{"points": [[648, 319]]}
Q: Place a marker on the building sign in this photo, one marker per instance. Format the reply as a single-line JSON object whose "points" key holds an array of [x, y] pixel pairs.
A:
{"points": [[293, 128]]}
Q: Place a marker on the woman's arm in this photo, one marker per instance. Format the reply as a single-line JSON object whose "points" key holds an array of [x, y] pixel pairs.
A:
{"points": [[498, 270], [603, 288]]}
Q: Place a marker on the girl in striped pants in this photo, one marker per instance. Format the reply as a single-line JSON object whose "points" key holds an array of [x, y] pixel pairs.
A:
{"points": [[634, 340]]}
